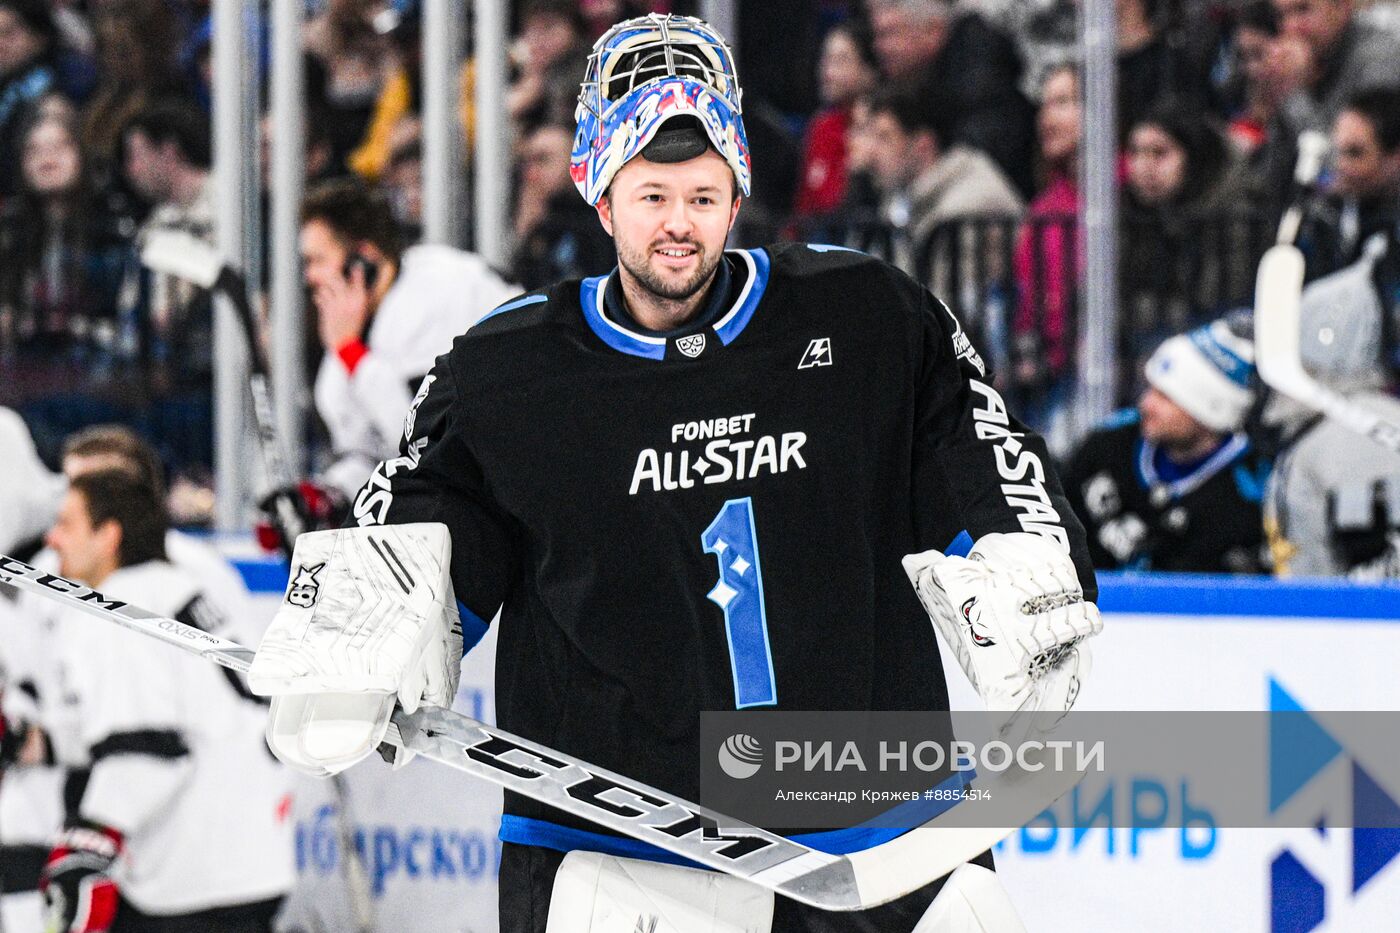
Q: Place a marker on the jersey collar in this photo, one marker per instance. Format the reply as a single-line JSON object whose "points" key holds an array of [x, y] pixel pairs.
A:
{"points": [[1229, 451], [627, 339]]}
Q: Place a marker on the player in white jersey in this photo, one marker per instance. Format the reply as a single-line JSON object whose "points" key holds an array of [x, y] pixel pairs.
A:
{"points": [[384, 314], [182, 822], [117, 447], [30, 807]]}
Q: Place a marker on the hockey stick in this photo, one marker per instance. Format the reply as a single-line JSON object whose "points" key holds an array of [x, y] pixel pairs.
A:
{"points": [[1278, 305], [857, 881], [185, 256]]}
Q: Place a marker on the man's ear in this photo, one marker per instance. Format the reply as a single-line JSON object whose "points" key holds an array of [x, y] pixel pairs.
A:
{"points": [[604, 209], [110, 534], [734, 209]]}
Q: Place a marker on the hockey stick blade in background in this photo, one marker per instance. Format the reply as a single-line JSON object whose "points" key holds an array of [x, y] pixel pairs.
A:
{"points": [[857, 881], [182, 255], [1278, 303]]}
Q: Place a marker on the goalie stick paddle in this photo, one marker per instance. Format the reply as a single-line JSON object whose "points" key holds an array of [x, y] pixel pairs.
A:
{"points": [[1278, 300], [857, 881]]}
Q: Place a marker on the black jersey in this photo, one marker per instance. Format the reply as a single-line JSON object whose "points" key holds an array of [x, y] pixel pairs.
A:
{"points": [[712, 519], [1207, 519]]}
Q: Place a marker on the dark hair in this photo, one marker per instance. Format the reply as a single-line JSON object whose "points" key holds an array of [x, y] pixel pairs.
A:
{"points": [[915, 110], [354, 212], [1260, 16], [861, 36], [175, 121], [1207, 153], [1380, 107], [567, 10], [118, 496], [139, 459]]}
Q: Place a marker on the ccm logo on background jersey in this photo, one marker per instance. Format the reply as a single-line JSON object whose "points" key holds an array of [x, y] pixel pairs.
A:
{"points": [[818, 354]]}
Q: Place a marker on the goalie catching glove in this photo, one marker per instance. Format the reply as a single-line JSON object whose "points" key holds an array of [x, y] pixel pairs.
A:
{"points": [[369, 618], [1014, 614]]}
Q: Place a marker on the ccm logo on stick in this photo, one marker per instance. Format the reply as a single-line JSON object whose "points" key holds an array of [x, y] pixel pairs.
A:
{"points": [[639, 807]]}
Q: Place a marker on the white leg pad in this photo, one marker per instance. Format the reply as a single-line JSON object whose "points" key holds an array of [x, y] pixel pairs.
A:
{"points": [[594, 892], [972, 901]]}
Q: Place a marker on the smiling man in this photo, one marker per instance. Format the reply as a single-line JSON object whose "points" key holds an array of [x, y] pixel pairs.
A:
{"points": [[702, 481]]}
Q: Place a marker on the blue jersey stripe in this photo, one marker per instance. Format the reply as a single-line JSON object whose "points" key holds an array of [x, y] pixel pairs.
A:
{"points": [[614, 335], [512, 305], [473, 627], [733, 323]]}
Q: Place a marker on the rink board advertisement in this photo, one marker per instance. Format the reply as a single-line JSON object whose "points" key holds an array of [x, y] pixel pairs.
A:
{"points": [[427, 835]]}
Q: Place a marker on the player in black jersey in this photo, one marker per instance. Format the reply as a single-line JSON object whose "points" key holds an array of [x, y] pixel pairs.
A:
{"points": [[1176, 484], [701, 482]]}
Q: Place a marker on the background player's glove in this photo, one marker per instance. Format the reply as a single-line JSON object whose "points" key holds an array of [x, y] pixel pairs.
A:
{"points": [[369, 618], [316, 507], [79, 896], [1014, 615]]}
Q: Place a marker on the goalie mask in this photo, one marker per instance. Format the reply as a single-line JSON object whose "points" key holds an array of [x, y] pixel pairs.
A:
{"points": [[658, 85]]}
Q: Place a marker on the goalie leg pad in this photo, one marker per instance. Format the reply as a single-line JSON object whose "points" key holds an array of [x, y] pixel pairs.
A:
{"points": [[972, 900], [595, 892]]}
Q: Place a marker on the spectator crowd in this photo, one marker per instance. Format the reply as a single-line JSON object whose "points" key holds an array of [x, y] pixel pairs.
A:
{"points": [[943, 135]]}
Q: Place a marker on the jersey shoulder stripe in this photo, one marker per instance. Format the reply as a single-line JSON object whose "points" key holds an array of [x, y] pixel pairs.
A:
{"points": [[521, 302], [826, 267]]}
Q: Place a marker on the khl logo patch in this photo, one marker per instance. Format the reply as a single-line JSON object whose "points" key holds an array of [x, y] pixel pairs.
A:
{"points": [[692, 345], [818, 354]]}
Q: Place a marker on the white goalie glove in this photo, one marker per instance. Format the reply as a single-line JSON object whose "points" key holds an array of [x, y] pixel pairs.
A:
{"points": [[369, 619], [1014, 615]]}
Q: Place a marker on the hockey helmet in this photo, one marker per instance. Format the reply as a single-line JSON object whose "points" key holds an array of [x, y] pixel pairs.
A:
{"points": [[648, 72], [1340, 322]]}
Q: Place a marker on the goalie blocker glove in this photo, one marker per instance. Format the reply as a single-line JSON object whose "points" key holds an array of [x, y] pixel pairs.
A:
{"points": [[79, 896], [1014, 614], [369, 618]]}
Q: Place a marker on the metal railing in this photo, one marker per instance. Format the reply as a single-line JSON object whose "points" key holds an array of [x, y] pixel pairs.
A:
{"points": [[1017, 284]]}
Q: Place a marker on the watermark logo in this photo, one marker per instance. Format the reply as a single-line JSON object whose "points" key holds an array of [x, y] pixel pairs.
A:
{"points": [[740, 756]]}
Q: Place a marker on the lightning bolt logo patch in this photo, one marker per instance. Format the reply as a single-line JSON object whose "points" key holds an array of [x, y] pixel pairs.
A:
{"points": [[818, 353]]}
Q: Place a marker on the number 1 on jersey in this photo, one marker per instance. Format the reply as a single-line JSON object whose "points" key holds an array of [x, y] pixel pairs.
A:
{"points": [[739, 592]]}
